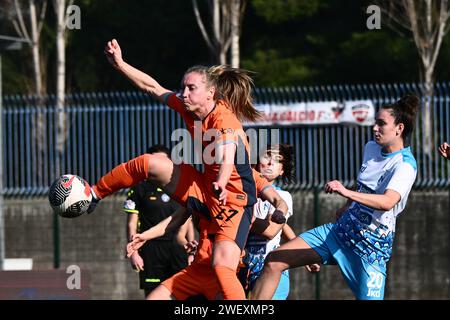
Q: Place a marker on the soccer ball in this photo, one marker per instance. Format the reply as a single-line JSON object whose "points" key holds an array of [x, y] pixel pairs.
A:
{"points": [[70, 196]]}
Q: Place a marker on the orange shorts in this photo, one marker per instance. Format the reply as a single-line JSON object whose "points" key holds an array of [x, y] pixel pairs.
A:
{"points": [[228, 222], [199, 277]]}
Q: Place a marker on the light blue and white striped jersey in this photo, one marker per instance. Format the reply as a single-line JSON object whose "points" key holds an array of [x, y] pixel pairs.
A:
{"points": [[369, 232]]}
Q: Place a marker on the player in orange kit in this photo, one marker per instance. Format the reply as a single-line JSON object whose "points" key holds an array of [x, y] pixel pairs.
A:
{"points": [[199, 277], [212, 101]]}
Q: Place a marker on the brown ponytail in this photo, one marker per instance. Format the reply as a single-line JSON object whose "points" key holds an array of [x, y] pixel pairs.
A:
{"points": [[234, 86]]}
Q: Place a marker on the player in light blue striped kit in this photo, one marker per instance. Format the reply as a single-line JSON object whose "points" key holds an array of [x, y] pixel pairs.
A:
{"points": [[361, 239]]}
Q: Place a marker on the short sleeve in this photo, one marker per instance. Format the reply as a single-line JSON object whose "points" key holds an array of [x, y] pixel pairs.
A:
{"points": [[131, 204], [228, 128], [173, 101], [260, 182], [402, 179]]}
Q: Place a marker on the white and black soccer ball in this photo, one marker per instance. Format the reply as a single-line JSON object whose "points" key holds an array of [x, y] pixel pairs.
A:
{"points": [[70, 196]]}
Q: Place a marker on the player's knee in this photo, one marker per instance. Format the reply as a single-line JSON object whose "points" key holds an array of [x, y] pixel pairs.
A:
{"points": [[160, 293], [160, 167], [225, 252], [272, 265]]}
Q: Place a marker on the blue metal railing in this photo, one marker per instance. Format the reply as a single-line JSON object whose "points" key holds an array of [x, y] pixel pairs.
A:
{"points": [[107, 128]]}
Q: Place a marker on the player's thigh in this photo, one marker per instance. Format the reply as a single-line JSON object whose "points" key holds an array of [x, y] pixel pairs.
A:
{"points": [[366, 281], [164, 172], [186, 186], [292, 254], [231, 222], [226, 253]]}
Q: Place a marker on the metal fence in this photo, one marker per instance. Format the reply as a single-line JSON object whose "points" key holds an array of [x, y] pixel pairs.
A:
{"points": [[105, 129]]}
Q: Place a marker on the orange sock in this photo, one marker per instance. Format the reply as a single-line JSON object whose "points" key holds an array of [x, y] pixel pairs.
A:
{"points": [[229, 282], [123, 176]]}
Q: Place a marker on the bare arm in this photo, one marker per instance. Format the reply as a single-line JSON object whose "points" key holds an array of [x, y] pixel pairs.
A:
{"points": [[186, 232], [266, 227], [135, 259], [132, 220], [169, 224], [140, 79], [190, 235], [185, 237], [288, 233], [383, 202], [227, 153]]}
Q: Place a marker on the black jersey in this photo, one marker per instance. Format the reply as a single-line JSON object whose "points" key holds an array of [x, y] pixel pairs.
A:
{"points": [[152, 205]]}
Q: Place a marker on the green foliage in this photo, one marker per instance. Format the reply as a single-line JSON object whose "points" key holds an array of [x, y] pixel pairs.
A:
{"points": [[286, 42], [277, 11], [153, 36], [331, 46], [274, 70]]}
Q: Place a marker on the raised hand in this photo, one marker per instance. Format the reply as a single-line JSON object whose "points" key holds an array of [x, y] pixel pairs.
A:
{"points": [[113, 53]]}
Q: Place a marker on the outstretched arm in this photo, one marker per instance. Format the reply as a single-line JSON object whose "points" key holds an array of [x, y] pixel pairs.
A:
{"points": [[383, 202], [140, 79], [174, 221]]}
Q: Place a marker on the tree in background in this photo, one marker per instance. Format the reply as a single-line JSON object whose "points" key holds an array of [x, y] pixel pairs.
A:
{"points": [[27, 18], [225, 21], [275, 40], [428, 22], [288, 43], [61, 11]]}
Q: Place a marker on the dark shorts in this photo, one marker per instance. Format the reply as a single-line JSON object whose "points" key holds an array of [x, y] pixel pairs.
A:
{"points": [[162, 259]]}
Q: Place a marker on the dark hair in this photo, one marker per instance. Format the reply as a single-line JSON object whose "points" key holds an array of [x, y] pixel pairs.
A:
{"points": [[405, 111], [287, 152], [158, 148]]}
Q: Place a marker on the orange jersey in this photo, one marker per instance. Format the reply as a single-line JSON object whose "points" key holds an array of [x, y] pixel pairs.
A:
{"points": [[221, 126], [261, 182]]}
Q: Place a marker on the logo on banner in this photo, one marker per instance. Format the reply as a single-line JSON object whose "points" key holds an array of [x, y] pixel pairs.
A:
{"points": [[360, 112], [337, 111]]}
